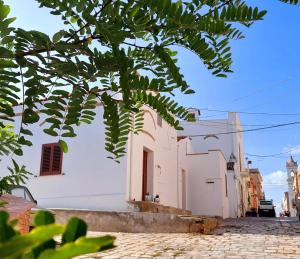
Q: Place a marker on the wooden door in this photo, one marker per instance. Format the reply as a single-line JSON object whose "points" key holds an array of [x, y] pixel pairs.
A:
{"points": [[145, 174]]}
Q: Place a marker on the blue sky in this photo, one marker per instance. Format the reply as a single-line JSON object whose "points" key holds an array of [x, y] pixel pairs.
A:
{"points": [[266, 78]]}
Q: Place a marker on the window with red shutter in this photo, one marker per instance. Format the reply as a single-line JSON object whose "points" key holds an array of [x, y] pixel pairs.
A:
{"points": [[51, 161]]}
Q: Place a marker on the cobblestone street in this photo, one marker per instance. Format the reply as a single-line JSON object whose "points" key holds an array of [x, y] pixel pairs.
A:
{"points": [[235, 238]]}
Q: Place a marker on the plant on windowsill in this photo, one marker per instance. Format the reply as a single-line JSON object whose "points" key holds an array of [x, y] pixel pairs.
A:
{"points": [[40, 242]]}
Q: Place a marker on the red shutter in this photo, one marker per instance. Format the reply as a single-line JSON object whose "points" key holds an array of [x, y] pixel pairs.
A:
{"points": [[51, 161], [56, 160]]}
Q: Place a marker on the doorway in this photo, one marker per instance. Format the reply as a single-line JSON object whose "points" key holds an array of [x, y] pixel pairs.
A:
{"points": [[145, 174]]}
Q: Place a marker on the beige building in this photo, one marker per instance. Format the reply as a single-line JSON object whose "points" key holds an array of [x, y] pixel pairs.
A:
{"points": [[255, 188]]}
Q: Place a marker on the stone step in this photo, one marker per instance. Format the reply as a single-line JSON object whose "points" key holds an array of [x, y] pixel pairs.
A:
{"points": [[139, 222]]}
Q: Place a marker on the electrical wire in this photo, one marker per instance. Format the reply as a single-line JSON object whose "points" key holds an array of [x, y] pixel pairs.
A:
{"points": [[207, 122], [260, 90], [247, 130], [252, 113], [274, 155]]}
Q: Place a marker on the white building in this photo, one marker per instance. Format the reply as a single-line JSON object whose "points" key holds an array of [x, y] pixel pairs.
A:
{"points": [[291, 170], [194, 169], [217, 150], [85, 178]]}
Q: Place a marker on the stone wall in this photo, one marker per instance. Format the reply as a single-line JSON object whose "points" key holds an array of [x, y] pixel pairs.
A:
{"points": [[138, 222]]}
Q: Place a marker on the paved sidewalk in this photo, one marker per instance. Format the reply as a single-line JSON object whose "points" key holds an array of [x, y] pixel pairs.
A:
{"points": [[235, 238]]}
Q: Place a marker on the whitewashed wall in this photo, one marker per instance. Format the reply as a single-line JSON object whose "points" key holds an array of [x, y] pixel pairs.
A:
{"points": [[206, 184], [161, 143], [227, 143], [92, 181], [89, 179], [184, 148]]}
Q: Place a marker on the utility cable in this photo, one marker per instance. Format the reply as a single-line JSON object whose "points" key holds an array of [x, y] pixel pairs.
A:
{"points": [[274, 155], [247, 130], [253, 113]]}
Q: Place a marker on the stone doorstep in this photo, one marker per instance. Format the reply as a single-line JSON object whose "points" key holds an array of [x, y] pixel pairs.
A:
{"points": [[148, 206], [139, 222]]}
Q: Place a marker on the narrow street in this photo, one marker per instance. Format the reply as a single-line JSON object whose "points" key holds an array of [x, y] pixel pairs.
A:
{"points": [[235, 238]]}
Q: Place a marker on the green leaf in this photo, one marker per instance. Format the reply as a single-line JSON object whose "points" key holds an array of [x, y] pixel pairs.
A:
{"points": [[23, 244], [63, 145], [5, 53], [51, 132], [4, 11], [43, 218], [6, 231], [57, 36], [81, 246], [75, 229]]}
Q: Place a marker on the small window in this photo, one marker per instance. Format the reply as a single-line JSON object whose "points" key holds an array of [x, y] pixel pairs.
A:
{"points": [[159, 120], [51, 161]]}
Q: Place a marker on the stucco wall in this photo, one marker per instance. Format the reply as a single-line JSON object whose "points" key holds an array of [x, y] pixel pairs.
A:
{"points": [[89, 180], [161, 144], [227, 143], [206, 184]]}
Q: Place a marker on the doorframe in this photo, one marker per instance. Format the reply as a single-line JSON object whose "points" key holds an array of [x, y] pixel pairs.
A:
{"points": [[145, 173]]}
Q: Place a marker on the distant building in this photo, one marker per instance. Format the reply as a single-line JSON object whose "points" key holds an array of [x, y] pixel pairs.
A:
{"points": [[255, 189], [292, 172], [226, 153], [285, 205]]}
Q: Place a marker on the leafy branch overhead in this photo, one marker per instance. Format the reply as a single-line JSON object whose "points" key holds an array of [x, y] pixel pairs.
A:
{"points": [[112, 48]]}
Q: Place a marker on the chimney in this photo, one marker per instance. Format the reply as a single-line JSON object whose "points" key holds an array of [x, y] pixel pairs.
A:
{"points": [[195, 113]]}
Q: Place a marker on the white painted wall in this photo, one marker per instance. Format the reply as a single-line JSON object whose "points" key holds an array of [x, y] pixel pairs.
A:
{"points": [[162, 142], [206, 184], [92, 181], [227, 143], [184, 147]]}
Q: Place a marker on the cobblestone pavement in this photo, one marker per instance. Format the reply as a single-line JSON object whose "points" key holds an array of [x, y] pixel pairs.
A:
{"points": [[235, 238]]}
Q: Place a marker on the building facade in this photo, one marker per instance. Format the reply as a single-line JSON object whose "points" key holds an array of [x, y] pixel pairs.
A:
{"points": [[255, 189], [197, 169], [85, 178], [210, 136], [292, 180]]}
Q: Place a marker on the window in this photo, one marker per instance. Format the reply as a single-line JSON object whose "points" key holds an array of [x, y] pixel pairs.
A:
{"points": [[159, 120], [230, 166], [51, 161]]}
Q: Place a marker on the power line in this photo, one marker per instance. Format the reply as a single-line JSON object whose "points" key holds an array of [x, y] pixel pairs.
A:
{"points": [[233, 124], [259, 90], [273, 155], [253, 113], [247, 130]]}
